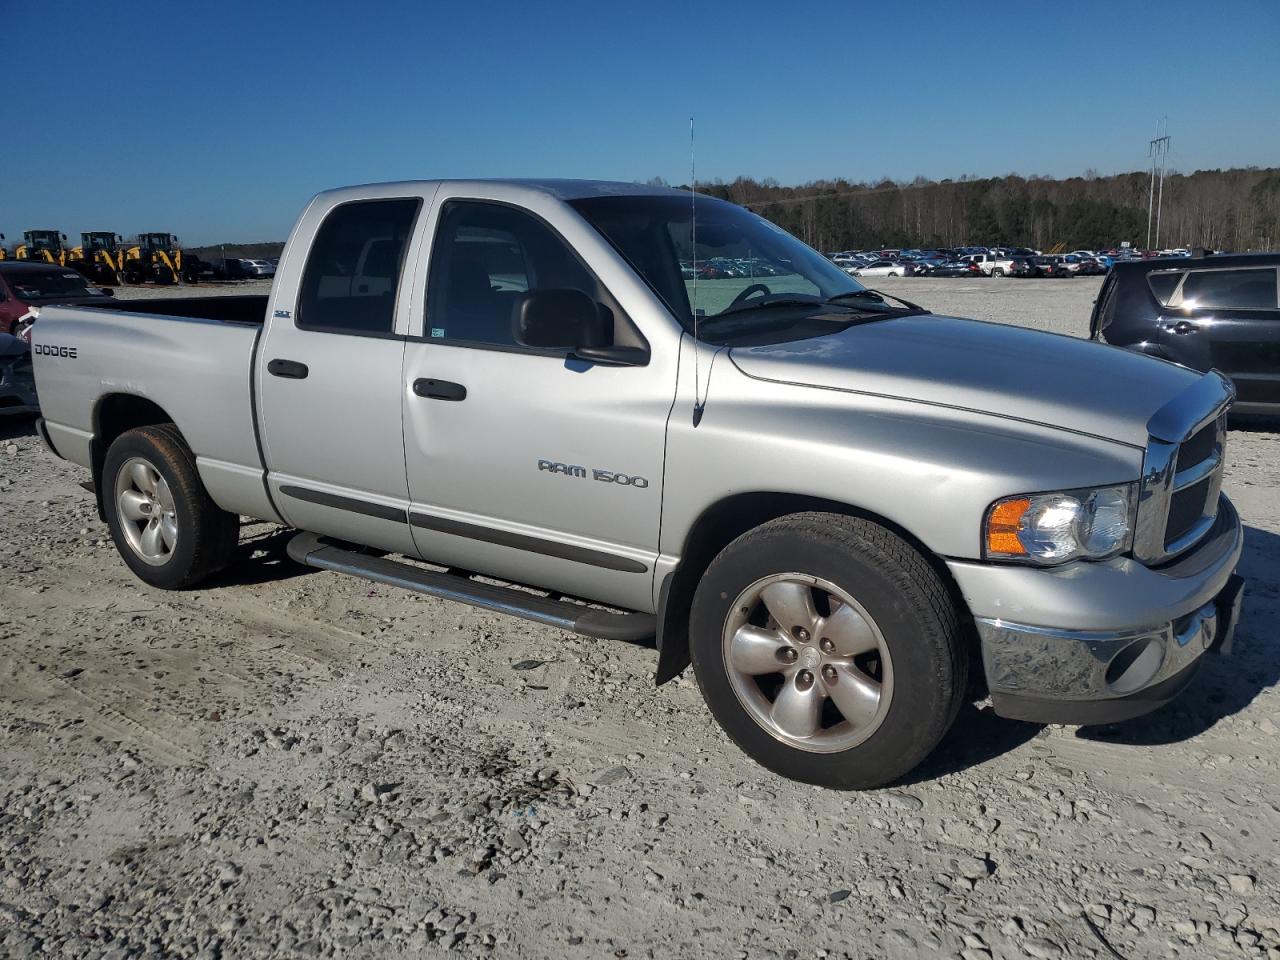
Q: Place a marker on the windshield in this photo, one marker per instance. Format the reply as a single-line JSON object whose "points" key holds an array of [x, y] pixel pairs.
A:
{"points": [[737, 259], [43, 284]]}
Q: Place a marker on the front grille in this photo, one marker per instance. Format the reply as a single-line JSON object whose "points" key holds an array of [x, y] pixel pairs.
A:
{"points": [[1200, 447], [1186, 509], [1182, 481]]}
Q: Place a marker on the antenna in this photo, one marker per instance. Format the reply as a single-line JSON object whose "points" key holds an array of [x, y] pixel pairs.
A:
{"points": [[693, 209]]}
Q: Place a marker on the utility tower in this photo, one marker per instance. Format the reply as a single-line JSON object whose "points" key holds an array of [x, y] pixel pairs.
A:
{"points": [[1158, 150]]}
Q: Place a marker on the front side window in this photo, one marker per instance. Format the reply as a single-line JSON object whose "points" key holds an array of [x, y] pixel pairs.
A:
{"points": [[1251, 289], [485, 255], [353, 271]]}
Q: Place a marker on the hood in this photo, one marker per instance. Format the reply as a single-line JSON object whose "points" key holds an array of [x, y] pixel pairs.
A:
{"points": [[1005, 371]]}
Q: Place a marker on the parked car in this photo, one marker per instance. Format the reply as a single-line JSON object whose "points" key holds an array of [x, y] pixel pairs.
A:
{"points": [[25, 284], [1206, 313], [259, 268], [969, 496], [231, 268], [17, 382], [883, 268], [1022, 267], [1051, 265], [956, 268], [991, 264]]}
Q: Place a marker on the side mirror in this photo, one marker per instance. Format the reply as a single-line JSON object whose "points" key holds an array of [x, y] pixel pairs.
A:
{"points": [[555, 319]]}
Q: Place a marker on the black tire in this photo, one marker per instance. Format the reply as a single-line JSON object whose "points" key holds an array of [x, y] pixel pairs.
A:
{"points": [[207, 534], [911, 608], [998, 272]]}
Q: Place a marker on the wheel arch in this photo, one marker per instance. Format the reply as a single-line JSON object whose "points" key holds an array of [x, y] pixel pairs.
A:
{"points": [[114, 414], [727, 519]]}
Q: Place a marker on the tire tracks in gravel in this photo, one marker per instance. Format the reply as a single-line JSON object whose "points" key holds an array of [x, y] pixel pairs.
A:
{"points": [[108, 698], [27, 681]]}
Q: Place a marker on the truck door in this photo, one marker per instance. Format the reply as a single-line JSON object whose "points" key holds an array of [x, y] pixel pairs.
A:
{"points": [[527, 464], [328, 375]]}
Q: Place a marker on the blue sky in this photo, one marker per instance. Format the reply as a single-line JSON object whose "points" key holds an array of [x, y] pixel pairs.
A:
{"points": [[217, 121]]}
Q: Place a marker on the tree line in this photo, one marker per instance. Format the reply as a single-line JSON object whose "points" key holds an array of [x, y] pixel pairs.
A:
{"points": [[1236, 209]]}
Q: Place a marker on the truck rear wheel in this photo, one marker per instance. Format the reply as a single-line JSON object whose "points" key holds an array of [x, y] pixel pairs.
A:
{"points": [[167, 529], [828, 650]]}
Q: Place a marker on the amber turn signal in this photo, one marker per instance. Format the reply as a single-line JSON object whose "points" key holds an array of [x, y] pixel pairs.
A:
{"points": [[1002, 526]]}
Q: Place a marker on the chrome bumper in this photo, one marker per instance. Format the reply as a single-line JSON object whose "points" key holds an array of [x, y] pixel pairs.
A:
{"points": [[1143, 630]]}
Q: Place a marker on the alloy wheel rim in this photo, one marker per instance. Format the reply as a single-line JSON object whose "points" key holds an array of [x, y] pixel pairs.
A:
{"points": [[807, 662], [146, 512]]}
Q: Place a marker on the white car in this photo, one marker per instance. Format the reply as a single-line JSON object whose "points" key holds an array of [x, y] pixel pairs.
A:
{"points": [[991, 264], [882, 268], [259, 268]]}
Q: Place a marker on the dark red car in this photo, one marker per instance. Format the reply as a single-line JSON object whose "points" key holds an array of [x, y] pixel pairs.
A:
{"points": [[24, 285]]}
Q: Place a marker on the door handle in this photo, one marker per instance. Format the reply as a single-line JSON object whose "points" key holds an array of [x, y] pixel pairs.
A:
{"points": [[439, 389], [291, 369], [1183, 327]]}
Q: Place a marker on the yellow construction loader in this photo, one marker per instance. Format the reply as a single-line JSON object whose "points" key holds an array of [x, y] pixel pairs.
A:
{"points": [[43, 245], [98, 257], [157, 258]]}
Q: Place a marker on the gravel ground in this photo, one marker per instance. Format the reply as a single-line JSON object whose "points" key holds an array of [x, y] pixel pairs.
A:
{"points": [[295, 763]]}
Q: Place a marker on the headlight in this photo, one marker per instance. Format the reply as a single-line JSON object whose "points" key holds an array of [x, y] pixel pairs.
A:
{"points": [[1049, 528]]}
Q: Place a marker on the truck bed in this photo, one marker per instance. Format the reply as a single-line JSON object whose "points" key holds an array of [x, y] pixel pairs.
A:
{"points": [[190, 357]]}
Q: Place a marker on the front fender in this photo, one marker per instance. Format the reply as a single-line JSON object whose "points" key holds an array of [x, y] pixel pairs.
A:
{"points": [[931, 470]]}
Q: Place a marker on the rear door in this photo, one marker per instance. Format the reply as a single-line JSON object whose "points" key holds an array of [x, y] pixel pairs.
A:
{"points": [[1235, 311], [329, 369]]}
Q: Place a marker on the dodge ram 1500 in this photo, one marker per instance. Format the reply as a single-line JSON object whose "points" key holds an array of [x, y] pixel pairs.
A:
{"points": [[834, 503]]}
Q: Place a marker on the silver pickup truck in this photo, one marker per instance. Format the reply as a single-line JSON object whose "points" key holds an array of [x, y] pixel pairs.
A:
{"points": [[632, 413]]}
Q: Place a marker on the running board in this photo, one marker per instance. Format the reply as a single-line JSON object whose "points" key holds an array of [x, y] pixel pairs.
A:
{"points": [[316, 551]]}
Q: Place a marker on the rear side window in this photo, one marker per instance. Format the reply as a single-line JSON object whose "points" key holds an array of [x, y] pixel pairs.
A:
{"points": [[353, 271], [1163, 283], [1235, 289]]}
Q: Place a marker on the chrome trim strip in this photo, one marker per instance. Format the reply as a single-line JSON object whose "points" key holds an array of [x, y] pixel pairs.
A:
{"points": [[1202, 625], [1154, 496], [1193, 475], [1083, 636], [1192, 536]]}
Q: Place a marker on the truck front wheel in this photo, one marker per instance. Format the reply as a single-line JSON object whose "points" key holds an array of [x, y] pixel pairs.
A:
{"points": [[167, 529], [828, 650]]}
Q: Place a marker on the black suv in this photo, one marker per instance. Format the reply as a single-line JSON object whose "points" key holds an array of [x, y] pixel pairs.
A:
{"points": [[1203, 312]]}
